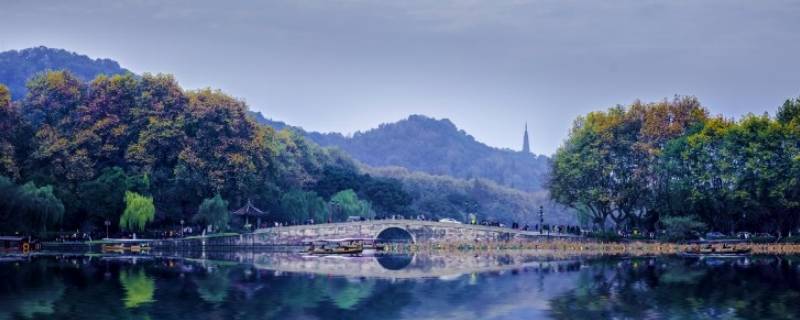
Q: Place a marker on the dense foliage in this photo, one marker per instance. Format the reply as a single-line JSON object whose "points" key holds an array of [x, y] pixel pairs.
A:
{"points": [[28, 207], [213, 212], [139, 211], [92, 142], [645, 163], [442, 196], [345, 204], [436, 147]]}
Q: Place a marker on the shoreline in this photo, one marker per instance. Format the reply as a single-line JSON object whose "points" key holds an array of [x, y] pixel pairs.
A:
{"points": [[572, 246]]}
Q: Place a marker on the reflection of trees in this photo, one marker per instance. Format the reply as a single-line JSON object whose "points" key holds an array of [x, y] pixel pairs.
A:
{"points": [[301, 292], [346, 294], [675, 289], [30, 302], [213, 288], [139, 288], [28, 292], [40, 301]]}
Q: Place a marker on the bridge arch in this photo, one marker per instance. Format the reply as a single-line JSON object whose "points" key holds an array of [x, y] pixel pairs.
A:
{"points": [[395, 234]]}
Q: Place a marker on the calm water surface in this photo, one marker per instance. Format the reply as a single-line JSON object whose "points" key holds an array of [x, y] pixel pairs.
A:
{"points": [[462, 286]]}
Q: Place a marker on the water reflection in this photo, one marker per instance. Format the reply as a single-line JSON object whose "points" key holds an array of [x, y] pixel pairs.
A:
{"points": [[392, 266], [469, 286], [746, 288], [139, 288]]}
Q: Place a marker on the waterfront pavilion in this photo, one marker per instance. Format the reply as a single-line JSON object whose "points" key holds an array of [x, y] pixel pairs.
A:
{"points": [[250, 211]]}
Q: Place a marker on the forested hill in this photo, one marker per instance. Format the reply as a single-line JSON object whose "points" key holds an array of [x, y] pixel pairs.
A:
{"points": [[72, 150], [16, 67], [437, 147]]}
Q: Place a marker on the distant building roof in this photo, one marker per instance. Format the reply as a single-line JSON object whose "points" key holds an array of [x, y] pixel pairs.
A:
{"points": [[249, 210]]}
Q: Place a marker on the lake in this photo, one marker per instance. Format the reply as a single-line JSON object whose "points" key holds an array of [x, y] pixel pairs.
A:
{"points": [[463, 285]]}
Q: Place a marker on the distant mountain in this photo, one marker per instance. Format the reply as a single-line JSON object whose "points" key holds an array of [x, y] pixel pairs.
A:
{"points": [[437, 147], [16, 67]]}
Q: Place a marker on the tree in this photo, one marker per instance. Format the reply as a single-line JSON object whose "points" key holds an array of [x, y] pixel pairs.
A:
{"points": [[40, 206], [387, 196], [28, 208], [790, 110], [337, 178], [345, 204], [139, 210], [580, 177], [682, 227], [609, 165], [298, 205], [10, 140], [104, 197], [213, 212]]}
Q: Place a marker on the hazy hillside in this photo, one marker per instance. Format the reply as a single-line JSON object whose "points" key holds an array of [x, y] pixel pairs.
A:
{"points": [[452, 197], [16, 67], [438, 147]]}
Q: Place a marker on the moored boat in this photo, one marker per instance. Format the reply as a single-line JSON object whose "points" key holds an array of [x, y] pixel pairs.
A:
{"points": [[336, 247], [125, 246], [723, 250]]}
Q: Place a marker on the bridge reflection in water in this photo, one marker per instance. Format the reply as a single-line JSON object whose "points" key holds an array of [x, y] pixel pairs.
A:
{"points": [[393, 266]]}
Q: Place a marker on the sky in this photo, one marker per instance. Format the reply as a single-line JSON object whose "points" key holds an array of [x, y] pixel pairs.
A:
{"points": [[489, 66]]}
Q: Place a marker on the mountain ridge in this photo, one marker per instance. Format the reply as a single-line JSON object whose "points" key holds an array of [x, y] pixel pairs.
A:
{"points": [[17, 66], [434, 146]]}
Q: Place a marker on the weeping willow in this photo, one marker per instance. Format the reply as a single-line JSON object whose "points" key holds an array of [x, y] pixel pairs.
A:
{"points": [[139, 210]]}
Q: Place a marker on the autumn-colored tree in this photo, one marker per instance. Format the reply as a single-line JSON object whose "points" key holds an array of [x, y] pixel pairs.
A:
{"points": [[647, 162], [10, 122]]}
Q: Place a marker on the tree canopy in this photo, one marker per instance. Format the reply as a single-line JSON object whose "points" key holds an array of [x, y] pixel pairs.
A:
{"points": [[213, 212], [345, 204], [646, 163]]}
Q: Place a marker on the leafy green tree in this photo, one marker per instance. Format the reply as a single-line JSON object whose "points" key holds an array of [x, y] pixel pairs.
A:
{"points": [[104, 197], [28, 208], [387, 196], [682, 227], [139, 211], [580, 177], [346, 203], [298, 205], [790, 110], [213, 212], [337, 178], [609, 165], [40, 206]]}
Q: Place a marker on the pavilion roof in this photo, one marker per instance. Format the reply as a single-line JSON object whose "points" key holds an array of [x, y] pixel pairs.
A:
{"points": [[249, 210]]}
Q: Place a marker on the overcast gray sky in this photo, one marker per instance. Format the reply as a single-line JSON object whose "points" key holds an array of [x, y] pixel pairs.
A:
{"points": [[489, 66]]}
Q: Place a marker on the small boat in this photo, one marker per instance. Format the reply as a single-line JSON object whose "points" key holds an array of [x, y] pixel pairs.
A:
{"points": [[368, 244], [336, 247], [710, 250], [113, 248]]}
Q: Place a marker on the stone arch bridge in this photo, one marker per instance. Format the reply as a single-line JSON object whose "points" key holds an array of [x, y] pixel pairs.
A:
{"points": [[417, 232]]}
